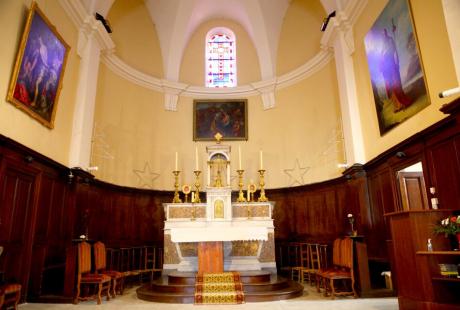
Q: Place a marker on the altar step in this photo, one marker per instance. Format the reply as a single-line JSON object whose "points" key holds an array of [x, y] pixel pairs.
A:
{"points": [[179, 287]]}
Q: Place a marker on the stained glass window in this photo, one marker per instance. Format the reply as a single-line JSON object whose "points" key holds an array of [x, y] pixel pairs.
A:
{"points": [[220, 58]]}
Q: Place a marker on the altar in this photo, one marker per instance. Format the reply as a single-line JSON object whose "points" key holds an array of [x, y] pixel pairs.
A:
{"points": [[219, 234]]}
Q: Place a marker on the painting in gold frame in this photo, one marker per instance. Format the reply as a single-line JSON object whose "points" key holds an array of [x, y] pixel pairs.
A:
{"points": [[227, 117], [38, 72], [395, 66]]}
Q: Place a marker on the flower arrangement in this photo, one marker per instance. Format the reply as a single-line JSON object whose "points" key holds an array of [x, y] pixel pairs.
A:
{"points": [[448, 226]]}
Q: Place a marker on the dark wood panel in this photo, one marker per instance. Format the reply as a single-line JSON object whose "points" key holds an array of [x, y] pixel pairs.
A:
{"points": [[18, 185], [445, 171]]}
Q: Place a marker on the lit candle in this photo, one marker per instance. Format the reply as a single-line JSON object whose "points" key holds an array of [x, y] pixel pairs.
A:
{"points": [[196, 158], [177, 159], [193, 197], [261, 160], [239, 157], [248, 194]]}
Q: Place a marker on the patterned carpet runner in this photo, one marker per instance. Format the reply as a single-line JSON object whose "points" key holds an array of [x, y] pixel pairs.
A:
{"points": [[219, 288]]}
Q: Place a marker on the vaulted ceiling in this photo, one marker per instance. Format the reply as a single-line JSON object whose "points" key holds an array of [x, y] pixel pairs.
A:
{"points": [[176, 21]]}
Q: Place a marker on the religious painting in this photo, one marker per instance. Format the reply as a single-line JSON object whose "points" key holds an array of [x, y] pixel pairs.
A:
{"points": [[37, 75], [227, 117], [395, 66]]}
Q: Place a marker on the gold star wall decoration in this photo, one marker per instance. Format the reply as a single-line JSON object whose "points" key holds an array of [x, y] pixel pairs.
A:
{"points": [[296, 174], [146, 177]]}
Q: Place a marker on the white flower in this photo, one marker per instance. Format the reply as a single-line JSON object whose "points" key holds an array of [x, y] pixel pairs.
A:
{"points": [[349, 215]]}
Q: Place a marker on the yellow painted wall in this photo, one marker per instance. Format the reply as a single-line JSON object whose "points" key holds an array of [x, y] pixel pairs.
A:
{"points": [[439, 71], [135, 36], [16, 124], [300, 34], [193, 62], [133, 128]]}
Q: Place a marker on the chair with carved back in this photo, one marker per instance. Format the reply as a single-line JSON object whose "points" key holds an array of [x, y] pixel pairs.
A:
{"points": [[339, 280], [10, 295], [85, 278], [100, 264]]}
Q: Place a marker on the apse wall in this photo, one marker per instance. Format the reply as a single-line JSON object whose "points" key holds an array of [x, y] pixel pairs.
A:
{"points": [[135, 138], [14, 123], [437, 62]]}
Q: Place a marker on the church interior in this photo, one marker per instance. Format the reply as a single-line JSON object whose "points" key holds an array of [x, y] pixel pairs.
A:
{"points": [[243, 152]]}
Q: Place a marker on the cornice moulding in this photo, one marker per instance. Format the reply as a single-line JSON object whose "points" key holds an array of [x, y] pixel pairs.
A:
{"points": [[83, 20]]}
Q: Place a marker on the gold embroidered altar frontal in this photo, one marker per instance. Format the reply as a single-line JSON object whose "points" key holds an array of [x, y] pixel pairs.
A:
{"points": [[219, 288]]}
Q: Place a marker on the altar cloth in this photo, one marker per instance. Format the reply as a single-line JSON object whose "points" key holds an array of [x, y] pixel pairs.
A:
{"points": [[218, 233]]}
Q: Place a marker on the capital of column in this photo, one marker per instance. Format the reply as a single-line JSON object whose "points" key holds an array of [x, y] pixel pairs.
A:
{"points": [[172, 90], [266, 89]]}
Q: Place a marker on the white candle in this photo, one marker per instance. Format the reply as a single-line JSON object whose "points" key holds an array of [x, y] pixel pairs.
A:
{"points": [[261, 160], [193, 197], [177, 160], [196, 158], [239, 157]]}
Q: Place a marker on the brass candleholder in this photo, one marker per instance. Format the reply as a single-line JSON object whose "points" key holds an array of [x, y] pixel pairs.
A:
{"points": [[197, 186], [262, 196], [176, 198], [240, 186]]}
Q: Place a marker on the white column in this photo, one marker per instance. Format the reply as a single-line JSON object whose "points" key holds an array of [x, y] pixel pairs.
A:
{"points": [[92, 40], [452, 16], [339, 37], [351, 122]]}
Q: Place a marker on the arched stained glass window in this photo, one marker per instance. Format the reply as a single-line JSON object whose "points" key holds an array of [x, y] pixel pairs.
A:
{"points": [[220, 58]]}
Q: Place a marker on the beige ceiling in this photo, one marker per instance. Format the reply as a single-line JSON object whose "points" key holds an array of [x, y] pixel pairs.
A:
{"points": [[176, 21]]}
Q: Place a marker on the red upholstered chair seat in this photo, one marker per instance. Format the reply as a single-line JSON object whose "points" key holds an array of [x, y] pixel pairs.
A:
{"points": [[95, 278], [11, 288]]}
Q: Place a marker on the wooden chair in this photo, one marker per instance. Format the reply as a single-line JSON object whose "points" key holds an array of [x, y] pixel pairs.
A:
{"points": [[303, 262], [150, 261], [341, 272], [317, 261], [85, 277], [10, 295], [100, 264]]}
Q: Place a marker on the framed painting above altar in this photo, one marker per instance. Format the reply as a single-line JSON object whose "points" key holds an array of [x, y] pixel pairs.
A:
{"points": [[395, 66], [39, 68], [227, 117]]}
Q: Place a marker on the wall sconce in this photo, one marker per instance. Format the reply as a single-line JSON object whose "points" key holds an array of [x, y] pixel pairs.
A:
{"points": [[400, 154]]}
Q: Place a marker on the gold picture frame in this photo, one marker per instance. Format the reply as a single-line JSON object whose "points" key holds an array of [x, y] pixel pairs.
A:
{"points": [[38, 72], [228, 117]]}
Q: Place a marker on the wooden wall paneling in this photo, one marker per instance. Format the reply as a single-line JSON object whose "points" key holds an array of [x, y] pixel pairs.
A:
{"points": [[19, 184], [51, 234], [444, 166], [382, 201], [282, 213]]}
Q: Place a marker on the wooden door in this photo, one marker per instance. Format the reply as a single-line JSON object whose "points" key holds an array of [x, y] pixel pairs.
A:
{"points": [[412, 189], [18, 201]]}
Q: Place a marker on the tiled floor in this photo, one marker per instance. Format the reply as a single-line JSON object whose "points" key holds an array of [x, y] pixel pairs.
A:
{"points": [[310, 300]]}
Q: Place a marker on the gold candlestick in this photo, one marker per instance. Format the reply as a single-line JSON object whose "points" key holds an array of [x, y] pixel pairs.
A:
{"points": [[240, 186], [197, 186], [262, 196], [176, 198]]}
